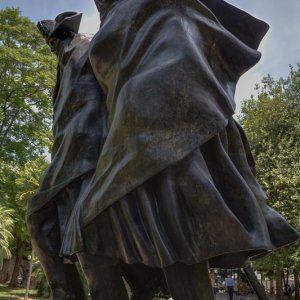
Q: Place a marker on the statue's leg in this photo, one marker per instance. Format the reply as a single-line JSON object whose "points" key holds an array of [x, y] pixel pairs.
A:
{"points": [[189, 282], [63, 279], [104, 277], [142, 280]]}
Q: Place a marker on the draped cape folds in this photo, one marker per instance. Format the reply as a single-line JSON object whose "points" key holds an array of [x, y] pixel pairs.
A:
{"points": [[79, 122], [169, 69]]}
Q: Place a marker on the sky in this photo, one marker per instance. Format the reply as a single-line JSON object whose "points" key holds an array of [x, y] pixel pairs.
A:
{"points": [[280, 47]]}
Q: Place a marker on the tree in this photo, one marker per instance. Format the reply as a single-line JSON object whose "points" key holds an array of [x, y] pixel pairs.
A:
{"points": [[27, 71], [6, 225], [27, 182], [27, 74], [272, 123]]}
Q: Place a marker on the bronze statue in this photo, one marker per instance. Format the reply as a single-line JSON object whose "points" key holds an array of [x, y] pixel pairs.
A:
{"points": [[79, 129], [174, 190], [175, 176]]}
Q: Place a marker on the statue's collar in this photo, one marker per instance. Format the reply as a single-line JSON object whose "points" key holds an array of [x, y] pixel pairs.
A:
{"points": [[67, 50]]}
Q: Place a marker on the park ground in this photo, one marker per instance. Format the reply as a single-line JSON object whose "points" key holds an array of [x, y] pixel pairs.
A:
{"points": [[245, 297], [7, 293]]}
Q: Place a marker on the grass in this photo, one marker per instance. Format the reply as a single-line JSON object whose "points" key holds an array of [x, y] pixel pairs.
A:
{"points": [[7, 293]]}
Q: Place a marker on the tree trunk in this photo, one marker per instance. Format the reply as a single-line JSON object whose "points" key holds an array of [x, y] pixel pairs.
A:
{"points": [[21, 249], [285, 278], [279, 289], [297, 284], [6, 272], [272, 289], [29, 276]]}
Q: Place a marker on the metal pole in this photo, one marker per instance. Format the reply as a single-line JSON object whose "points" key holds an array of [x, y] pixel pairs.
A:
{"points": [[29, 276], [260, 292]]}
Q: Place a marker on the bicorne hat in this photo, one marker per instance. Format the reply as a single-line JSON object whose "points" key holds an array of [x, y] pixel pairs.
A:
{"points": [[66, 21]]}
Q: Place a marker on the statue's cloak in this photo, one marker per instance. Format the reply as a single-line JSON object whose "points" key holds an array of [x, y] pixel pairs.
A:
{"points": [[175, 175], [169, 69], [79, 122]]}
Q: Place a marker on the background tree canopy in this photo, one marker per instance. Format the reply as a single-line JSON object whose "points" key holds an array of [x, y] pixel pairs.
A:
{"points": [[27, 76], [27, 71], [272, 123]]}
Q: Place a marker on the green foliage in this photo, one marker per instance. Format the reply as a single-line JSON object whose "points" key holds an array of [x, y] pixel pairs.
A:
{"points": [[43, 289], [27, 180], [7, 181], [272, 123], [27, 71], [6, 225], [27, 74], [15, 293]]}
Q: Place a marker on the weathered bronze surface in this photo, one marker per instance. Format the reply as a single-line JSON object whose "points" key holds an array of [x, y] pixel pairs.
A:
{"points": [[79, 128], [174, 158], [174, 188]]}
